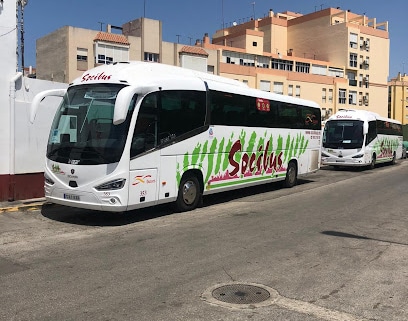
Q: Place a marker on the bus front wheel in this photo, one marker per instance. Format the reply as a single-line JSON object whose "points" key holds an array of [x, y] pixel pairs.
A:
{"points": [[189, 194], [372, 164], [291, 175]]}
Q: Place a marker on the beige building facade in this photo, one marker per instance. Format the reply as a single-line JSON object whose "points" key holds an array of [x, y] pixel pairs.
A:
{"points": [[398, 98], [334, 57]]}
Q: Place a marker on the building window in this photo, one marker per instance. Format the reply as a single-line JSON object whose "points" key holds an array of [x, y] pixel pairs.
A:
{"points": [[107, 54], [82, 59], [298, 91], [353, 60], [102, 59], [265, 85], [323, 95], [353, 97], [245, 81], [330, 95], [365, 63], [290, 90], [302, 67], [353, 40], [148, 56], [262, 62], [282, 64], [254, 44], [366, 81], [365, 99], [342, 96], [319, 70], [336, 72], [278, 87]]}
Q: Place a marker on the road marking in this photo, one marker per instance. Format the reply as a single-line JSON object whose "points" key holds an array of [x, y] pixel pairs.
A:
{"points": [[312, 309]]}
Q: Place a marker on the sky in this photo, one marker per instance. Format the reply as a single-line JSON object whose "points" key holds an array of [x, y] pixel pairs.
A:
{"points": [[188, 20]]}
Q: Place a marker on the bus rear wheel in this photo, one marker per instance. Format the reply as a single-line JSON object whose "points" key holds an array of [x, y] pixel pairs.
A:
{"points": [[291, 175], [189, 194]]}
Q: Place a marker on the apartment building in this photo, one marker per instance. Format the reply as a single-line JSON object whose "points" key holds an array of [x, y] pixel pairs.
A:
{"points": [[335, 57], [398, 98]]}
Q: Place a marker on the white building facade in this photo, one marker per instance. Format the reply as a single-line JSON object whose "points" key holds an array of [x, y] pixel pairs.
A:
{"points": [[22, 144]]}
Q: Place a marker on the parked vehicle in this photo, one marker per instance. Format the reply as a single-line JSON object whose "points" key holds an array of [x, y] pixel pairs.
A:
{"points": [[404, 149]]}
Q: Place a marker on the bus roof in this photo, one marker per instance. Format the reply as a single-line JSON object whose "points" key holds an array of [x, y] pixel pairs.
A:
{"points": [[364, 115], [167, 77]]}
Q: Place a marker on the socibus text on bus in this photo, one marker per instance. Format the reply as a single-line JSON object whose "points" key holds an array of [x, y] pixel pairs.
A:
{"points": [[137, 134], [361, 138]]}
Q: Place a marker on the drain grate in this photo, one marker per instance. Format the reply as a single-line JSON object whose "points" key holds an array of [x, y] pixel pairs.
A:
{"points": [[240, 294]]}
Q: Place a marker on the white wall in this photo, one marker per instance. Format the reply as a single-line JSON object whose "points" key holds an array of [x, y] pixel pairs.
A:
{"points": [[31, 139], [22, 144], [8, 67]]}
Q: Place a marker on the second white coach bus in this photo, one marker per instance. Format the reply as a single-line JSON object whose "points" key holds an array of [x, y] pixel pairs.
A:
{"points": [[137, 134], [361, 138]]}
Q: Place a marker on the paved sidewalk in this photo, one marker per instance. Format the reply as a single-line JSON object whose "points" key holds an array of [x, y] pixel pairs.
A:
{"points": [[21, 205]]}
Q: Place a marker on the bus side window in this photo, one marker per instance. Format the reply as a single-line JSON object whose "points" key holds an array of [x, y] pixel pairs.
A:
{"points": [[372, 133], [144, 135], [181, 111]]}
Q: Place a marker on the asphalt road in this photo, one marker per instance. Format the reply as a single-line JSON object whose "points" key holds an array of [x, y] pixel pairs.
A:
{"points": [[335, 247]]}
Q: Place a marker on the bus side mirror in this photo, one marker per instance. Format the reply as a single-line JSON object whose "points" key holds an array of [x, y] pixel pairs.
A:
{"points": [[365, 129], [40, 97], [124, 98]]}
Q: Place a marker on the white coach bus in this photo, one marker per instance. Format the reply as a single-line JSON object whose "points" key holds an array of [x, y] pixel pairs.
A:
{"points": [[360, 138], [136, 134]]}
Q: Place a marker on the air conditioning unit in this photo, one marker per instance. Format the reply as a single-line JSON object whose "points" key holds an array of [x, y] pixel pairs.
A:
{"points": [[365, 79], [366, 62]]}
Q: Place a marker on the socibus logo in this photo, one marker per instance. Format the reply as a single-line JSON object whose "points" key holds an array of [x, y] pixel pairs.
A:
{"points": [[143, 179], [98, 76]]}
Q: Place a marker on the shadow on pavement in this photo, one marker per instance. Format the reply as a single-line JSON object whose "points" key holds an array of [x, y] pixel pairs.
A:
{"points": [[85, 217], [360, 237]]}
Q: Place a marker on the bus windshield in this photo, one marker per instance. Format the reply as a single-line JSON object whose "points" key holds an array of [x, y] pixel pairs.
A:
{"points": [[83, 132], [345, 134]]}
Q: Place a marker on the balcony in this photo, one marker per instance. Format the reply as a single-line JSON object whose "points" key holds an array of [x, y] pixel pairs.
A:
{"points": [[353, 82]]}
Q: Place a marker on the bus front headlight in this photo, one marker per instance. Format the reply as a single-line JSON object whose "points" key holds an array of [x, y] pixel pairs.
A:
{"points": [[112, 185], [48, 180], [358, 156]]}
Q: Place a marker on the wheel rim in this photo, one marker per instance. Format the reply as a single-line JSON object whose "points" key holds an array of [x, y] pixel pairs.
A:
{"points": [[189, 192]]}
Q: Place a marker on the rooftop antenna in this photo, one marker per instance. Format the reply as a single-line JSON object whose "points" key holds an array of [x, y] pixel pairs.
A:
{"points": [[253, 9], [144, 9], [101, 23], [222, 13]]}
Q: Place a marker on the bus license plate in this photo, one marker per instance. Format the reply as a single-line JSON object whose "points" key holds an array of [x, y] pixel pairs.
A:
{"points": [[71, 197]]}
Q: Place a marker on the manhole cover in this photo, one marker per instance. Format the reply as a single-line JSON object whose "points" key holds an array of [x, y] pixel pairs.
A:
{"points": [[240, 294]]}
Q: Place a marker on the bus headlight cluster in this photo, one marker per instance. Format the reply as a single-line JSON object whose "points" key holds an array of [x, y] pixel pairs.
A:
{"points": [[48, 180], [112, 185], [358, 156]]}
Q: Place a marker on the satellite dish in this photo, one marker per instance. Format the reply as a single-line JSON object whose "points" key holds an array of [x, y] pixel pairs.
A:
{"points": [[234, 23]]}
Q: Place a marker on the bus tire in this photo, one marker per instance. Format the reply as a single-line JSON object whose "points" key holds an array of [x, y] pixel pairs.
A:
{"points": [[394, 157], [291, 175], [372, 164], [189, 194]]}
